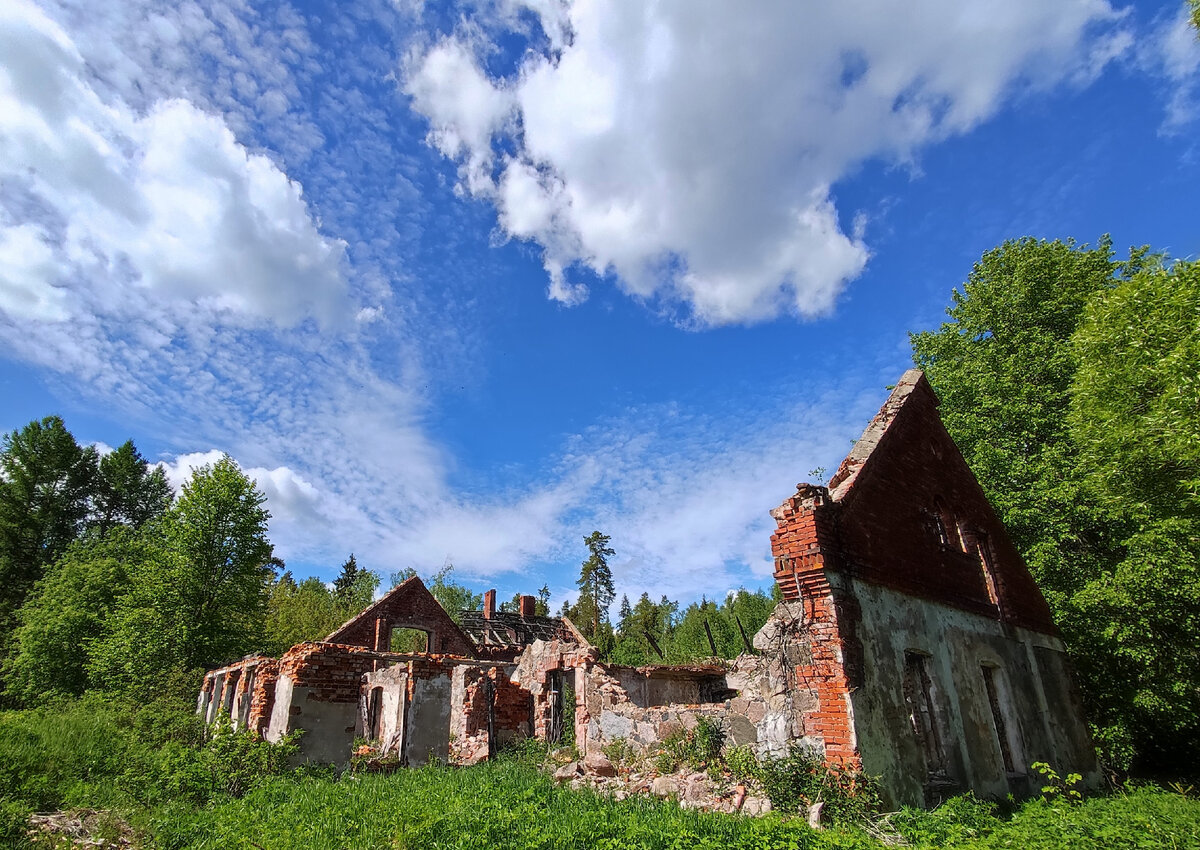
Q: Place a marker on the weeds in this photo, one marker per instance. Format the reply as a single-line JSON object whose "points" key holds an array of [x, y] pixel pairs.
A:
{"points": [[1057, 788], [698, 747], [802, 779]]}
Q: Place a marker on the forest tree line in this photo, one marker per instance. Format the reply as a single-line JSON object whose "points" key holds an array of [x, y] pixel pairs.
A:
{"points": [[109, 583]]}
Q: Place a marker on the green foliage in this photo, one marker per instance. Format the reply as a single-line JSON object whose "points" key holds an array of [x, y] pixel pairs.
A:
{"points": [[100, 752], [742, 762], [14, 823], [800, 779], [541, 603], [682, 638], [1002, 368], [153, 764], [66, 614], [568, 719], [344, 584], [45, 481], [310, 611], [619, 751], [494, 806], [596, 590], [957, 821], [127, 490], [218, 528], [698, 747], [1070, 382], [1055, 787], [52, 493], [127, 609]]}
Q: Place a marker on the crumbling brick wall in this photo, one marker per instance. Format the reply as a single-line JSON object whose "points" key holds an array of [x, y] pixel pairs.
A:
{"points": [[242, 691], [570, 660], [263, 698], [408, 605], [490, 711]]}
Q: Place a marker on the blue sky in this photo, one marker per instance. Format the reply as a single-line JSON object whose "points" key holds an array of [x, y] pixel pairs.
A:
{"points": [[465, 282]]}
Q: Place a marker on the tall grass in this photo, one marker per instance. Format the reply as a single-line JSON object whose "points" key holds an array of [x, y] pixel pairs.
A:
{"points": [[152, 766], [492, 806]]}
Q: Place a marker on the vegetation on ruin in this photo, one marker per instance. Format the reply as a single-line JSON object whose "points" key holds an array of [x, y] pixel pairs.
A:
{"points": [[1069, 380]]}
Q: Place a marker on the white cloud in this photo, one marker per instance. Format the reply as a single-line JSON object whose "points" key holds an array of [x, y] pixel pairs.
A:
{"points": [[686, 498], [27, 272], [1172, 52], [166, 204], [691, 150]]}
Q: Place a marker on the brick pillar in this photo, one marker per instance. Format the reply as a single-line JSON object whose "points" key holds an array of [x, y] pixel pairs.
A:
{"points": [[804, 548], [528, 606], [383, 635], [803, 539], [489, 604]]}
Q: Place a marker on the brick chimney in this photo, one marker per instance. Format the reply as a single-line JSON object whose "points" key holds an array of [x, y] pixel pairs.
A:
{"points": [[489, 605], [528, 606]]}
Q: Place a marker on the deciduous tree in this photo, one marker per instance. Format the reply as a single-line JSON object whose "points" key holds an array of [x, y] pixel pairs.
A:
{"points": [[46, 481]]}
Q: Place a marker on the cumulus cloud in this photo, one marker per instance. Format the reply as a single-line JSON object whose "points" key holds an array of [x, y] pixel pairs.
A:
{"points": [[691, 151], [104, 204]]}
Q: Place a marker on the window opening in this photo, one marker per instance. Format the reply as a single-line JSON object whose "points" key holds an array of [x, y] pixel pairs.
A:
{"points": [[918, 694], [554, 726], [983, 547], [939, 527], [409, 640], [489, 695], [374, 713], [945, 525], [1005, 735]]}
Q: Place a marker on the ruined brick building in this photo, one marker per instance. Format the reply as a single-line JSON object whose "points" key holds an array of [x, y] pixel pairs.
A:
{"points": [[912, 643]]}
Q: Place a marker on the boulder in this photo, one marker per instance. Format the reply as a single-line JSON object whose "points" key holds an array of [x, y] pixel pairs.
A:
{"points": [[755, 806], [567, 772], [599, 764], [664, 786]]}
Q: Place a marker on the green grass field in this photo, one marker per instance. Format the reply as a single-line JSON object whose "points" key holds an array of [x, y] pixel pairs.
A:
{"points": [[153, 773]]}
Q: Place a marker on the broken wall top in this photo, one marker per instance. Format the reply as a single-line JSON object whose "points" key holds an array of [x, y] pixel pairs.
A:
{"points": [[905, 511], [408, 605], [511, 630]]}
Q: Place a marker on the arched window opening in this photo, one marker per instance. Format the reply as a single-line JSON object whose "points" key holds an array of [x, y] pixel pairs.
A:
{"points": [[945, 525], [374, 713]]}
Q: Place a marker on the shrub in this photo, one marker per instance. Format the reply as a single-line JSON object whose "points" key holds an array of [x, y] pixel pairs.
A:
{"points": [[955, 821], [14, 824], [619, 751], [802, 779], [742, 762], [1057, 787], [698, 747]]}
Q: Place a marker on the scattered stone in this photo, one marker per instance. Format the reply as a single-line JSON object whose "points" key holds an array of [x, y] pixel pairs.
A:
{"points": [[814, 814], [599, 764], [567, 771], [664, 786], [755, 806]]}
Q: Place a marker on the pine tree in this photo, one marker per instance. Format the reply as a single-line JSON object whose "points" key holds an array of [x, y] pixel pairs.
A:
{"points": [[596, 591], [344, 583]]}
